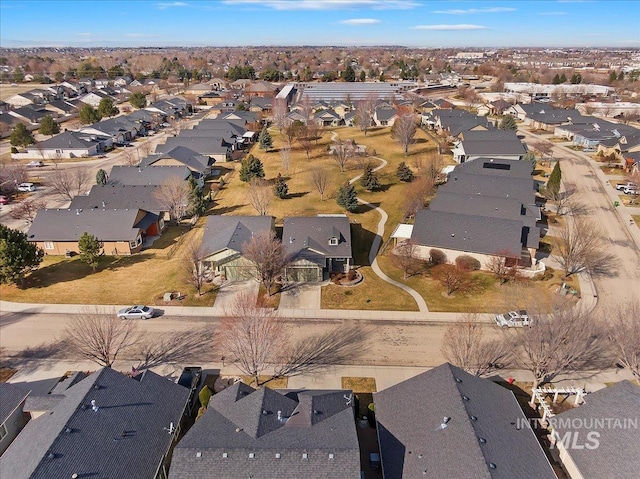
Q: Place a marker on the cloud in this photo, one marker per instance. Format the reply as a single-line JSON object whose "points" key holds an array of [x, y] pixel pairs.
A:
{"points": [[552, 14], [458, 27], [360, 21], [327, 4], [472, 11], [165, 5]]}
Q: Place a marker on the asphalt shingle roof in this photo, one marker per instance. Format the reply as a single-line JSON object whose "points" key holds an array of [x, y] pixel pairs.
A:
{"points": [[126, 437], [618, 452], [120, 197], [264, 433], [151, 175], [232, 232], [414, 444], [10, 398], [204, 146], [309, 236]]}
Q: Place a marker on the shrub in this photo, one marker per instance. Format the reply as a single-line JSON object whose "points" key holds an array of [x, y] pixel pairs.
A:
{"points": [[467, 263], [437, 257], [14, 149], [351, 275], [204, 396], [201, 411]]}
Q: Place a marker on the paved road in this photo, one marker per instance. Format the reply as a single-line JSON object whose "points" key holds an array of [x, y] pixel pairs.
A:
{"points": [[622, 280]]}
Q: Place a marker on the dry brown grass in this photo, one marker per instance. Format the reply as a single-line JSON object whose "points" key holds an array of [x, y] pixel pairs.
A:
{"points": [[359, 385], [7, 91], [279, 383]]}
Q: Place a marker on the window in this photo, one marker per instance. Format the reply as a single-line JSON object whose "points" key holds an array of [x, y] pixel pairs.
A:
{"points": [[136, 243], [3, 431], [48, 245], [333, 241]]}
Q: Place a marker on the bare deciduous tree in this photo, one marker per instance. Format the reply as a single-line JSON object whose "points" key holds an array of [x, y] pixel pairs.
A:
{"points": [[285, 155], [260, 196], [279, 113], [196, 272], [26, 210], [320, 180], [579, 246], [12, 175], [415, 195], [255, 338], [503, 265], [130, 157], [70, 183], [452, 278], [100, 336], [341, 153], [364, 110], [404, 257], [545, 148], [404, 129], [173, 195], [465, 345], [562, 340], [267, 253], [623, 333]]}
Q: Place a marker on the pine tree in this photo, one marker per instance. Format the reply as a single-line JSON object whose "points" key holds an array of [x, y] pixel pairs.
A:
{"points": [[197, 198], [48, 126], [280, 189], [612, 76], [508, 123], [265, 140], [553, 185], [101, 177], [369, 179], [21, 136], [563, 78], [89, 247], [349, 74], [404, 173], [251, 168], [107, 108], [17, 255], [347, 197], [556, 79]]}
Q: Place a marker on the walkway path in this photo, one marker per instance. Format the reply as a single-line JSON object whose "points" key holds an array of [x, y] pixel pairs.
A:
{"points": [[377, 242]]}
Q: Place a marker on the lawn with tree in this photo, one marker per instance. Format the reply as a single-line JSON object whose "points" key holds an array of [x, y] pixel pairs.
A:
{"points": [[48, 126], [18, 256], [21, 136]]}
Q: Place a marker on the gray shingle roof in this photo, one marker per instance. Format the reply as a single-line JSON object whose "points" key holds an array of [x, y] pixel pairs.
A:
{"points": [[202, 145], [522, 189], [68, 225], [152, 175], [71, 140], [125, 437], [495, 167], [412, 440], [232, 232], [618, 451], [120, 197], [308, 237], [475, 234], [241, 421], [492, 142], [10, 398]]}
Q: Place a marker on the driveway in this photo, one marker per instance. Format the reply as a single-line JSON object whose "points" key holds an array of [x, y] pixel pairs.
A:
{"points": [[300, 296], [230, 290]]}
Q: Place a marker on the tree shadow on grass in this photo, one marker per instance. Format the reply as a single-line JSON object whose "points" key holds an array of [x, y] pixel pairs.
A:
{"points": [[298, 195], [224, 210]]}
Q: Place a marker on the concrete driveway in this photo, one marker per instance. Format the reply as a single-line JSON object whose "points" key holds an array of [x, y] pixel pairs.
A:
{"points": [[300, 296], [230, 290]]}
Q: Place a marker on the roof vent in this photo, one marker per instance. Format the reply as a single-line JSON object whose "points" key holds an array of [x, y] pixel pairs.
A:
{"points": [[331, 456], [252, 455], [74, 475], [51, 456], [483, 440], [474, 418], [238, 429], [68, 430], [78, 211], [465, 398], [316, 412], [94, 406], [492, 465], [198, 454], [265, 412], [458, 380], [225, 454], [278, 455], [445, 421], [305, 455]]}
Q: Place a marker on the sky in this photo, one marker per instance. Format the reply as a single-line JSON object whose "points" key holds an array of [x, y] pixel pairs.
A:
{"points": [[411, 23]]}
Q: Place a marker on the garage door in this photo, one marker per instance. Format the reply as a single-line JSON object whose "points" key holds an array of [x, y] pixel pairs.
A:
{"points": [[304, 275]]}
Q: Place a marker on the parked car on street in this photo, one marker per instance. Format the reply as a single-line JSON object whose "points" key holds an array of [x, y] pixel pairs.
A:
{"points": [[35, 164], [136, 312], [512, 319], [26, 187]]}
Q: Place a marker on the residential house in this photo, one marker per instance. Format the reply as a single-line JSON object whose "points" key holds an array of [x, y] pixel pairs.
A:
{"points": [[317, 245], [122, 231], [350, 118], [121, 129], [326, 118], [451, 123], [68, 144], [607, 445], [225, 106], [12, 415], [23, 99], [151, 175], [8, 122], [32, 114], [107, 425], [223, 243], [211, 98], [113, 196], [94, 98], [61, 107], [543, 116], [288, 434], [262, 89], [250, 118], [198, 89], [207, 150], [261, 105], [499, 144], [384, 116], [447, 423], [218, 83], [46, 393], [121, 81]]}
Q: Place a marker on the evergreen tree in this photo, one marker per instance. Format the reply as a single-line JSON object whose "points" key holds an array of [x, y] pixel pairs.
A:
{"points": [[563, 78], [90, 249], [556, 79], [138, 100], [107, 108], [48, 126], [265, 140], [576, 79], [363, 76], [251, 168], [612, 77], [508, 123], [21, 136], [381, 76], [404, 173], [17, 255], [197, 198], [553, 184], [349, 74], [280, 189], [101, 177], [347, 197], [369, 179], [531, 158], [88, 115]]}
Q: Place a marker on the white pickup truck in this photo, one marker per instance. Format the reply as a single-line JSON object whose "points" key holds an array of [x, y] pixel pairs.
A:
{"points": [[513, 319], [627, 187]]}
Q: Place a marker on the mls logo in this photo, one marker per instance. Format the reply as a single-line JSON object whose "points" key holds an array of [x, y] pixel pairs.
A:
{"points": [[573, 440]]}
